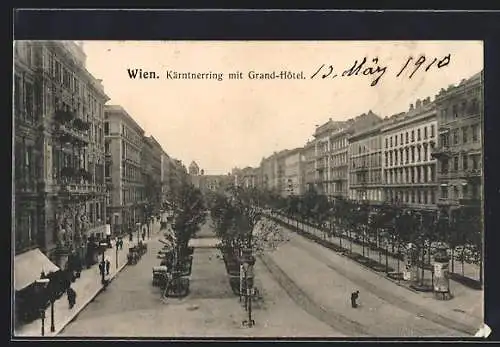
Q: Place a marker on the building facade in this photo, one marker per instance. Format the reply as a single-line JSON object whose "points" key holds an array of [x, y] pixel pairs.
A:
{"points": [[308, 166], [332, 153], [459, 149], [58, 149], [365, 166], [151, 165], [293, 172], [165, 167], [409, 170], [126, 191]]}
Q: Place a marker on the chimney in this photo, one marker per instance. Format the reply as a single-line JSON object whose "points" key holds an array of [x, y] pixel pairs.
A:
{"points": [[418, 104], [411, 107]]}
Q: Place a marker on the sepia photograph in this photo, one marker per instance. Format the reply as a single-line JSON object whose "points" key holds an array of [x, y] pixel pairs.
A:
{"points": [[209, 189]]}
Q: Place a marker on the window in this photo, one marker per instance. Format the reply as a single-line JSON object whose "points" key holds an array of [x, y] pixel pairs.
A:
{"points": [[396, 140], [106, 147], [455, 111], [433, 197], [58, 75], [418, 135], [444, 166], [465, 162], [407, 137], [413, 154], [29, 101], [432, 131], [464, 135], [425, 153], [391, 142], [475, 162], [475, 133], [413, 136], [455, 163], [465, 191], [455, 192], [455, 136], [386, 142], [396, 157], [401, 139], [425, 134], [444, 192]]}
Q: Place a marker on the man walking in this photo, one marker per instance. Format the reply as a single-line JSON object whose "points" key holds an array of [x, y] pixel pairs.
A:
{"points": [[354, 297], [71, 297], [108, 265]]}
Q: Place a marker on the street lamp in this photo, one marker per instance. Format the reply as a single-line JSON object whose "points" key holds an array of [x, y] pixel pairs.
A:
{"points": [[248, 263], [103, 246], [42, 285], [138, 225]]}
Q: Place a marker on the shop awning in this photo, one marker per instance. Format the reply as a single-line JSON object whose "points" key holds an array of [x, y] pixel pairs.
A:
{"points": [[29, 265]]}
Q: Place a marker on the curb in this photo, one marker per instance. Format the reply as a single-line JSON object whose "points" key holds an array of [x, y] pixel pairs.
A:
{"points": [[87, 302]]}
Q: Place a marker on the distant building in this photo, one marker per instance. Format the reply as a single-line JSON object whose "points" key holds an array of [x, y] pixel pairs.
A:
{"points": [[294, 180], [308, 165], [194, 169], [365, 165], [124, 176], [332, 144]]}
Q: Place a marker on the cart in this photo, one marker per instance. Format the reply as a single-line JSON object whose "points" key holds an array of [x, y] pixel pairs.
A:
{"points": [[160, 276], [133, 256]]}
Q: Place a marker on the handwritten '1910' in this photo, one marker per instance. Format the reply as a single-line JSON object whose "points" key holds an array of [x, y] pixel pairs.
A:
{"points": [[375, 69]]}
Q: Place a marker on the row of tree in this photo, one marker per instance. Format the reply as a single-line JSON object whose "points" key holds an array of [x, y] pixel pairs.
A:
{"points": [[396, 225]]}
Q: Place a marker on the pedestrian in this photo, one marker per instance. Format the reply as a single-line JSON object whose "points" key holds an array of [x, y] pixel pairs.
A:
{"points": [[108, 265], [130, 236], [121, 243], [354, 297], [71, 297]]}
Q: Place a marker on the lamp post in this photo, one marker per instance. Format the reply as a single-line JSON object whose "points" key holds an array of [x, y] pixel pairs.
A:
{"points": [[248, 263], [103, 246], [42, 285], [116, 255], [138, 225]]}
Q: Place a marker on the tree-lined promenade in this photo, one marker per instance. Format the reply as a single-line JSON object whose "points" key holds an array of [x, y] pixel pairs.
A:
{"points": [[385, 230]]}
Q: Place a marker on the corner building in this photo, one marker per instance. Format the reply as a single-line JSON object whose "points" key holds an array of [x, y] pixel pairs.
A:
{"points": [[409, 169], [59, 150]]}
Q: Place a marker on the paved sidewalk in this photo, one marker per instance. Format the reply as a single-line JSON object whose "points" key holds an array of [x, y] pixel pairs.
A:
{"points": [[469, 270], [87, 287]]}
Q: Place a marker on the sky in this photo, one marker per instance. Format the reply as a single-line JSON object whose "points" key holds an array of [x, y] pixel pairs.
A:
{"points": [[236, 122]]}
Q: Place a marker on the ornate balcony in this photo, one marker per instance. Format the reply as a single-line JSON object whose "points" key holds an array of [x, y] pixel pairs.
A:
{"points": [[440, 152], [472, 174]]}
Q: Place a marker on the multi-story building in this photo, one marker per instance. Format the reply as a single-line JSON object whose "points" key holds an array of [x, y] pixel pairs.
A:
{"points": [[293, 172], [409, 170], [267, 173], [459, 149], [308, 167], [165, 167], [332, 144], [365, 165], [126, 191], [151, 158], [58, 150], [178, 176], [246, 178]]}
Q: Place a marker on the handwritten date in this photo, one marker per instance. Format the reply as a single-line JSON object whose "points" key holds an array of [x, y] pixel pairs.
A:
{"points": [[377, 70]]}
